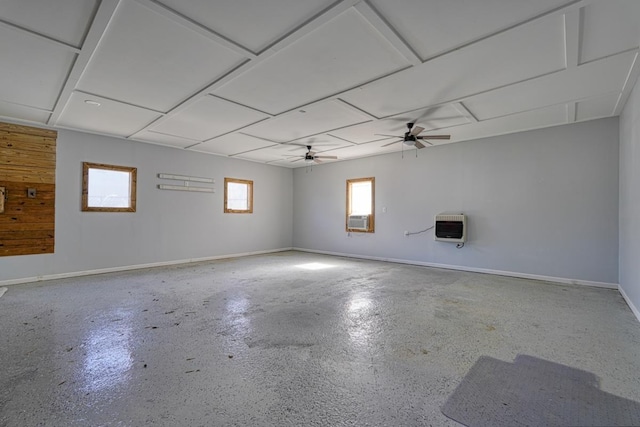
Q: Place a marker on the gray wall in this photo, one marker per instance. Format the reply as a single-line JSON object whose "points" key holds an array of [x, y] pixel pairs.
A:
{"points": [[630, 200], [168, 225], [542, 202]]}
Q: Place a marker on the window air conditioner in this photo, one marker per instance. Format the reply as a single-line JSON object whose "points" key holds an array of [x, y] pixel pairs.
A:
{"points": [[358, 222], [451, 228]]}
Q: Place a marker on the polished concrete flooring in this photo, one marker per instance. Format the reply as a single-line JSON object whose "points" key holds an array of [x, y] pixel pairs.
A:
{"points": [[289, 339]]}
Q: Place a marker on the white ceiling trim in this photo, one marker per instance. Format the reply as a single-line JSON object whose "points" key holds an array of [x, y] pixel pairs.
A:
{"points": [[313, 23], [241, 105], [369, 13], [236, 130], [30, 107], [103, 17], [572, 112], [572, 37], [197, 28], [629, 83], [356, 109], [252, 61], [566, 8], [41, 37], [464, 111], [89, 94]]}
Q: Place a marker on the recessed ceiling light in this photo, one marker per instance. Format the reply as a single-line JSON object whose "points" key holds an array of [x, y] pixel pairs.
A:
{"points": [[92, 102]]}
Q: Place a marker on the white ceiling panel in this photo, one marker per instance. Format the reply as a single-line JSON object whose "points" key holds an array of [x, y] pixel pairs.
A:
{"points": [[148, 60], [432, 27], [591, 79], [207, 118], [284, 154], [231, 144], [63, 20], [610, 27], [163, 139], [530, 50], [429, 118], [343, 53], [32, 71], [237, 77], [21, 112], [267, 154], [595, 108], [111, 117], [544, 117], [363, 150], [315, 119], [276, 18]]}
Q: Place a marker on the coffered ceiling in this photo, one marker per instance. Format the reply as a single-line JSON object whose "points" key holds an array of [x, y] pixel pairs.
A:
{"points": [[259, 80]]}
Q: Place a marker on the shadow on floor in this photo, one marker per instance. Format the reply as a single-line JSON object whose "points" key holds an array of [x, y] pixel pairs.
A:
{"points": [[535, 392]]}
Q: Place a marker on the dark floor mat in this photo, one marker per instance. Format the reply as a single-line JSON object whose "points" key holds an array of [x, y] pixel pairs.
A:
{"points": [[535, 392]]}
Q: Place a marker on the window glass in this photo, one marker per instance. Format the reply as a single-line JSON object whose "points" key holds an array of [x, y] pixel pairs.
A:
{"points": [[108, 188], [238, 195]]}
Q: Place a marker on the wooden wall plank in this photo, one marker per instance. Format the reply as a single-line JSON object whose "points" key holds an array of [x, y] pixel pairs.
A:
{"points": [[27, 142], [27, 154], [27, 234], [13, 160], [27, 160], [27, 174], [28, 130], [11, 251], [25, 243], [27, 217]]}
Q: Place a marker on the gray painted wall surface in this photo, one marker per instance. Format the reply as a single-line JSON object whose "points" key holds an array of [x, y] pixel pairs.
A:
{"points": [[630, 198], [168, 225], [542, 202]]}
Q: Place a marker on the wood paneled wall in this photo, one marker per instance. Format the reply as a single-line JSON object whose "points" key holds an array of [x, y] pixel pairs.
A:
{"points": [[27, 160]]}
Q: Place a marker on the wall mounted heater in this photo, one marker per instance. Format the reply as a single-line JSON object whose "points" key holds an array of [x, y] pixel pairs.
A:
{"points": [[451, 228], [358, 222]]}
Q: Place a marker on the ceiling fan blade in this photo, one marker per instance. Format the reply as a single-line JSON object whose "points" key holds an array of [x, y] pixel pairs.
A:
{"points": [[316, 160], [434, 137], [394, 142], [326, 157], [416, 130], [419, 144], [311, 153]]}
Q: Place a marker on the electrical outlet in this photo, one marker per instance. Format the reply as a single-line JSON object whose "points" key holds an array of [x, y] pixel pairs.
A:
{"points": [[31, 193]]}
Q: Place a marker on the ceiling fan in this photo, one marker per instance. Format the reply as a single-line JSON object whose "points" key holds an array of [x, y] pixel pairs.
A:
{"points": [[310, 157], [412, 137]]}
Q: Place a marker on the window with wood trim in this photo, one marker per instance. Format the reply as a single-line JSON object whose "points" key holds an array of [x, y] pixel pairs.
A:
{"points": [[238, 195], [361, 205], [108, 188]]}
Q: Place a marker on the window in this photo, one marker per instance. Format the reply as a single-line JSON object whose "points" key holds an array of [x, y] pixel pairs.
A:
{"points": [[360, 205], [108, 188], [238, 196]]}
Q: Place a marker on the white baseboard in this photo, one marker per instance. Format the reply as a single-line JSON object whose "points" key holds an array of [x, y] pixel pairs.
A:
{"points": [[133, 267], [470, 269], [633, 308]]}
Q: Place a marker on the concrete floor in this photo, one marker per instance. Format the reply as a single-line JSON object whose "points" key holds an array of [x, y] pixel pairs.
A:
{"points": [[264, 341]]}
